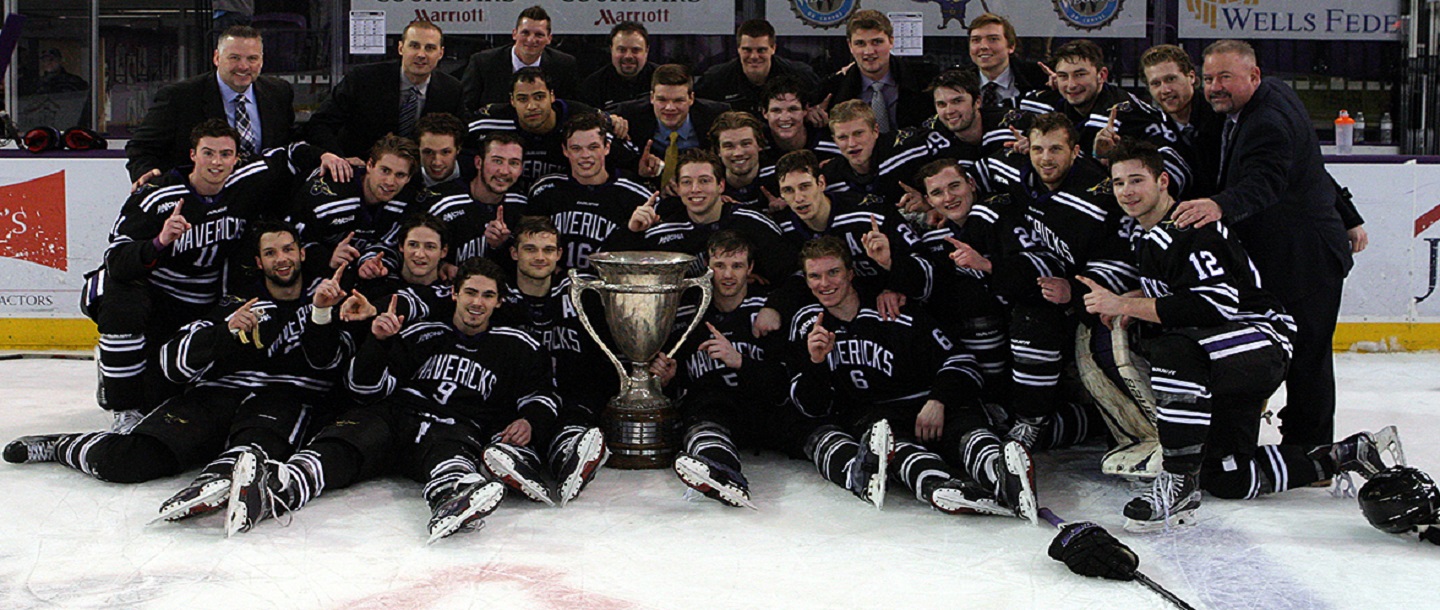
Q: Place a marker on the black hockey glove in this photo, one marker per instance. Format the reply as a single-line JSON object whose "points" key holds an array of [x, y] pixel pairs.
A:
{"points": [[1088, 550]]}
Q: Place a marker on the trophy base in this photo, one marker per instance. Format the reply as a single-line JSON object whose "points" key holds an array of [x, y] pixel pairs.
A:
{"points": [[643, 437]]}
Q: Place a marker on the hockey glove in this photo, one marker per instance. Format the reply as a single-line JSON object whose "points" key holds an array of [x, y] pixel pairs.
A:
{"points": [[1088, 550]]}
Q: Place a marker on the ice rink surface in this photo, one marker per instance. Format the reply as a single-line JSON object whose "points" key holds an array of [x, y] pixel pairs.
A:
{"points": [[632, 539]]}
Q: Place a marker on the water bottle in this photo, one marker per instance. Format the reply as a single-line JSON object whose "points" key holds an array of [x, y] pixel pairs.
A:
{"points": [[1359, 127], [1344, 134], [1387, 129]]}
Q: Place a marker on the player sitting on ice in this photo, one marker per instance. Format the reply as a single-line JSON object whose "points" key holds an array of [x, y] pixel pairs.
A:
{"points": [[1221, 349], [915, 396]]}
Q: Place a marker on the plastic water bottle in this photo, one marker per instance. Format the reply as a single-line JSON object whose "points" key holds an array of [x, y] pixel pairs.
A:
{"points": [[1344, 134], [1359, 127], [1387, 129]]}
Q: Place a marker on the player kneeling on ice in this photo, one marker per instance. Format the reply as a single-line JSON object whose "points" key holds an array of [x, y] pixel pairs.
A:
{"points": [[446, 390], [1220, 349], [910, 394]]}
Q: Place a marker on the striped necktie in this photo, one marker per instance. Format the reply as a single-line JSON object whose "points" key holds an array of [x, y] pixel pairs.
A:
{"points": [[882, 110], [242, 124], [409, 111]]}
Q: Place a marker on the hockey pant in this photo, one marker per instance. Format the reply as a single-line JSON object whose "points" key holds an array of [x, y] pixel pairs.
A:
{"points": [[134, 320], [1210, 386], [987, 339]]}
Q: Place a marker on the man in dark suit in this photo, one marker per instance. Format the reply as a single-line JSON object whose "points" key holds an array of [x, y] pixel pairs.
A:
{"points": [[387, 97], [1274, 193], [1003, 76], [629, 73], [671, 110], [162, 141], [899, 81], [741, 82], [489, 74]]}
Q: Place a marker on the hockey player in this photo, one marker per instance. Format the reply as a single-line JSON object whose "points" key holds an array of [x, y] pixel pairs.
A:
{"points": [[447, 389], [1071, 226], [251, 375], [1103, 113], [1221, 349], [739, 142], [357, 222], [914, 396], [539, 303], [422, 293], [730, 383], [786, 129], [686, 222], [590, 201], [469, 213], [438, 136], [961, 129], [876, 168], [170, 254]]}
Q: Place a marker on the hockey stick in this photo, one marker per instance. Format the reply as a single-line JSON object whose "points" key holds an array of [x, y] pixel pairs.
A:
{"points": [[1140, 577]]}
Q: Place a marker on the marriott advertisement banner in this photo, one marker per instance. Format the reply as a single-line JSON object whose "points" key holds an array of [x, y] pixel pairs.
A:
{"points": [[1043, 18], [567, 16], [1291, 19]]}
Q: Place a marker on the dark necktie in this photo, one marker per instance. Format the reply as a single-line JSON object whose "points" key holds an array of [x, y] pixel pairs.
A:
{"points": [[1225, 136], [409, 111], [882, 109], [990, 95], [243, 125]]}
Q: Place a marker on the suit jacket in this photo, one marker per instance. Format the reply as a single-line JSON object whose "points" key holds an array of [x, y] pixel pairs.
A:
{"points": [[163, 139], [912, 106], [606, 89], [488, 75], [726, 82], [1277, 197], [1029, 76], [643, 124], [365, 106]]}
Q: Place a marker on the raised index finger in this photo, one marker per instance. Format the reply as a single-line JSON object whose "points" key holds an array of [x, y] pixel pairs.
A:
{"points": [[714, 332], [874, 224], [346, 241], [818, 319], [175, 211], [1114, 110], [393, 299], [339, 271], [500, 213], [1088, 282]]}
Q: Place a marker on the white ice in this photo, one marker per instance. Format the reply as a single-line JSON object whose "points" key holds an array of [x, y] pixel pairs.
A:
{"points": [[633, 540]]}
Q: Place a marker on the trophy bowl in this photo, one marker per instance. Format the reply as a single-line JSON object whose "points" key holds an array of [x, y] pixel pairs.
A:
{"points": [[640, 292]]}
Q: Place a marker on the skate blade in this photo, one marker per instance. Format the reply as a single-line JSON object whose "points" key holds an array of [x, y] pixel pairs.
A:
{"points": [[694, 476], [1387, 440], [954, 502], [215, 492], [482, 501], [1018, 464], [882, 444], [591, 443], [505, 471], [236, 519], [1184, 518]]}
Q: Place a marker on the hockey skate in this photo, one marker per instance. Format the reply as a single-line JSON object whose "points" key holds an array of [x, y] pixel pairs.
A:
{"points": [[1360, 453], [867, 470], [580, 465], [474, 499], [960, 497], [125, 421], [715, 480], [207, 493], [33, 449], [1026, 431], [255, 491], [1170, 502], [1016, 489], [518, 472]]}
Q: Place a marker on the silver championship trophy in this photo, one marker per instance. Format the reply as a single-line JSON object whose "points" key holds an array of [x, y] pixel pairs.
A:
{"points": [[640, 292]]}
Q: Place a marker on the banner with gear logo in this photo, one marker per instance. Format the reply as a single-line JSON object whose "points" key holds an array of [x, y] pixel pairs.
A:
{"points": [[1067, 18]]}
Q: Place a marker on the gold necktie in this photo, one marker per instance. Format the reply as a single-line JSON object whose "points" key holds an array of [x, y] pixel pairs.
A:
{"points": [[672, 158]]}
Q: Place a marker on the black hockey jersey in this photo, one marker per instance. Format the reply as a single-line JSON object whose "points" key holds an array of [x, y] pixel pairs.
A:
{"points": [[762, 376], [583, 374], [327, 211], [544, 153], [465, 219], [674, 232], [585, 215]]}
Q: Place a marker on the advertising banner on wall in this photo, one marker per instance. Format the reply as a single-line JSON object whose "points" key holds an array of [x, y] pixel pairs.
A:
{"points": [[1067, 18], [1291, 19], [567, 16]]}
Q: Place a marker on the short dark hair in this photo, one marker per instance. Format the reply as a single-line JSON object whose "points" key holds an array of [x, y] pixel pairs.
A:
{"points": [[480, 266], [1079, 50], [959, 80], [934, 168], [869, 19], [782, 84], [1139, 150], [734, 119], [633, 27], [213, 128], [429, 221], [535, 225], [530, 74], [992, 19], [672, 74], [823, 246], [441, 124], [1162, 53], [422, 24], [392, 144], [534, 13], [237, 31], [755, 28], [500, 137], [1052, 121], [802, 160], [727, 241], [270, 225], [585, 121], [700, 155]]}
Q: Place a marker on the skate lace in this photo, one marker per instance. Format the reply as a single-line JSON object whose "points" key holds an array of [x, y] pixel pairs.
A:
{"points": [[40, 452], [1162, 496], [276, 499]]}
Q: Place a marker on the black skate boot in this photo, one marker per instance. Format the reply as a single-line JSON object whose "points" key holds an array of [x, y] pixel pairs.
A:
{"points": [[580, 464], [713, 479], [1015, 482], [33, 449], [1026, 431], [465, 510], [1360, 453], [961, 497], [518, 471], [867, 470], [1170, 502], [206, 494]]}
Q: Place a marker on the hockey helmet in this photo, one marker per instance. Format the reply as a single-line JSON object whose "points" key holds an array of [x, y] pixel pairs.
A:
{"points": [[1399, 498]]}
